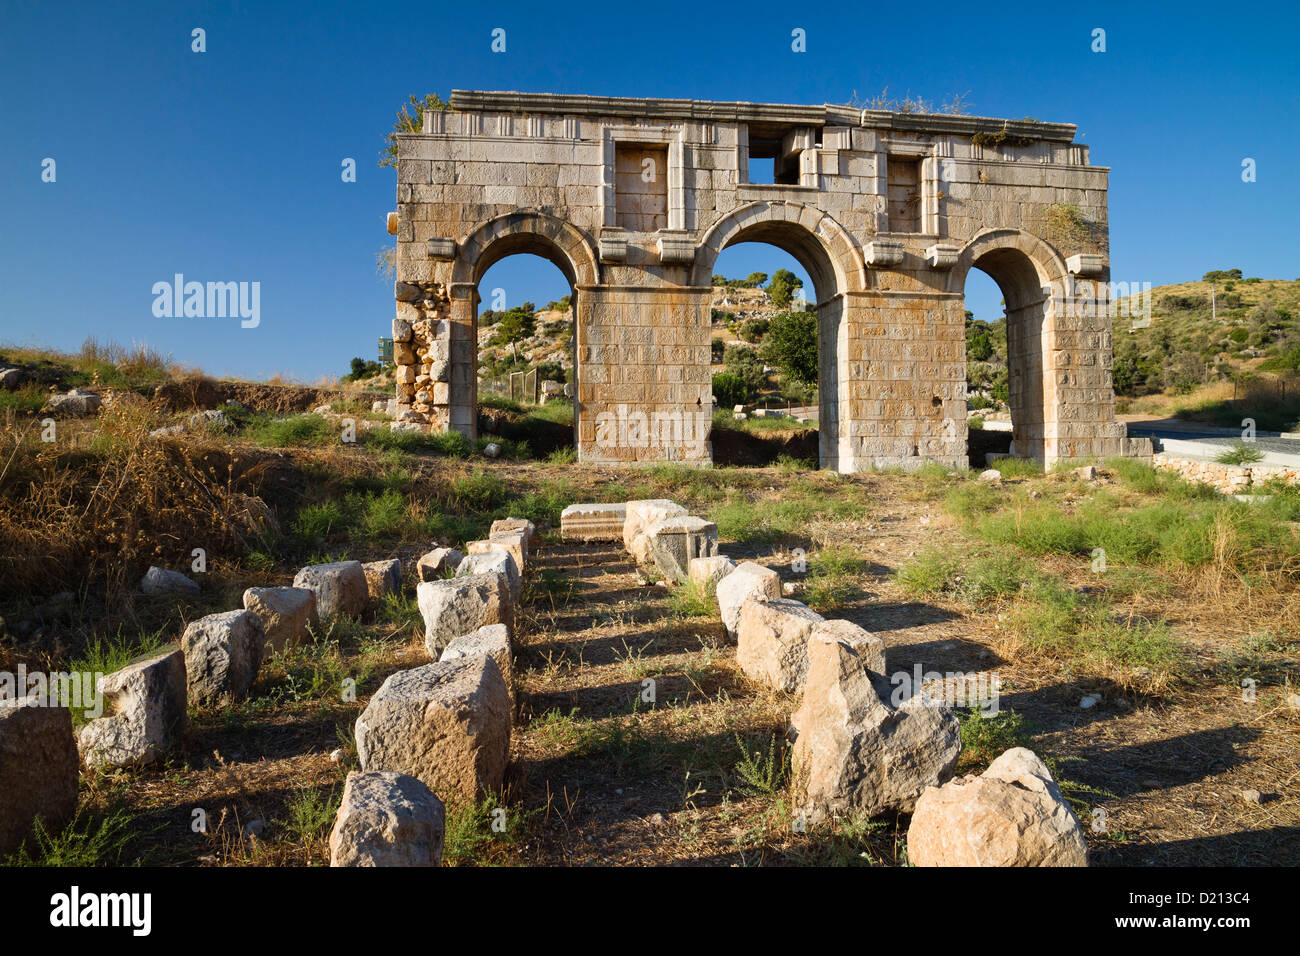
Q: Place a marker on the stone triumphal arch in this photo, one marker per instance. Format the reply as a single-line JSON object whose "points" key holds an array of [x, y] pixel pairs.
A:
{"points": [[633, 200]]}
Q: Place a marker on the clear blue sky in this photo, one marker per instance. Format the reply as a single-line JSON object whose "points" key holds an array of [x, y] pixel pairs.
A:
{"points": [[225, 165]]}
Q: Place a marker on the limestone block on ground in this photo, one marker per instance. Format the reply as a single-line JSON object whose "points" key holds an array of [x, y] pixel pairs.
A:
{"points": [[144, 713], [1012, 814], [640, 516], [705, 573], [772, 642], [387, 819], [494, 561], [437, 563], [515, 542], [748, 580], [493, 640], [286, 615], [673, 543], [453, 607], [447, 724], [38, 771], [222, 655], [506, 525], [340, 588], [382, 578], [854, 752], [870, 649], [593, 522], [76, 401], [158, 581]]}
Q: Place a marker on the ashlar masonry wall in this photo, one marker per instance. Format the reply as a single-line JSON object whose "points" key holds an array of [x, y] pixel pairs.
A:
{"points": [[633, 199]]}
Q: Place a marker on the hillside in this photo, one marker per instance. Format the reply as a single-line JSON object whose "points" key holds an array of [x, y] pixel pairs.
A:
{"points": [[1216, 359]]}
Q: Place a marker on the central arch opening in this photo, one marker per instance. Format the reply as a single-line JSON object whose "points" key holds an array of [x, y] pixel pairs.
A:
{"points": [[777, 309]]}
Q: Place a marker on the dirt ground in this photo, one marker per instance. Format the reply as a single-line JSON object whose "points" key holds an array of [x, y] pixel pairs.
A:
{"points": [[602, 775]]}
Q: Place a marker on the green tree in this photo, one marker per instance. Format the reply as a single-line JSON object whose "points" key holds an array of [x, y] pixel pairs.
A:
{"points": [[791, 345], [745, 364], [979, 344], [514, 326], [753, 330], [729, 390], [782, 288], [410, 119]]}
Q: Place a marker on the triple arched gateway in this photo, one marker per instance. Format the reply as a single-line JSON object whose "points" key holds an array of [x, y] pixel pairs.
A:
{"points": [[633, 200]]}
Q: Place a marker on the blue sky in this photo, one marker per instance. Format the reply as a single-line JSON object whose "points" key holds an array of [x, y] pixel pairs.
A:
{"points": [[226, 165]]}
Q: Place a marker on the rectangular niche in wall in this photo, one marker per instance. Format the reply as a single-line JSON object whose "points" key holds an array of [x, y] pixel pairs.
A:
{"points": [[903, 182], [641, 187]]}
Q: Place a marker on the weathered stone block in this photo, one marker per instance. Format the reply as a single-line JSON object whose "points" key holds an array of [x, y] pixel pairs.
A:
{"points": [[494, 561], [673, 543], [705, 573], [507, 525], [438, 563], [340, 588], [640, 516], [38, 771], [493, 640], [515, 543], [145, 712], [447, 724], [869, 648], [382, 579], [593, 522], [453, 607], [287, 615], [748, 581], [854, 752], [222, 655], [158, 581], [1013, 814], [772, 642], [387, 819]]}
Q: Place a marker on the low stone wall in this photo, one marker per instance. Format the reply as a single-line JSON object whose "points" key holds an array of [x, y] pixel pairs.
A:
{"points": [[1229, 479]]}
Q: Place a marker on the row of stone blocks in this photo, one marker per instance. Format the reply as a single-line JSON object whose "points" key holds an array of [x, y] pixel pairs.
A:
{"points": [[217, 662], [855, 750], [860, 750], [656, 532], [442, 728], [145, 703]]}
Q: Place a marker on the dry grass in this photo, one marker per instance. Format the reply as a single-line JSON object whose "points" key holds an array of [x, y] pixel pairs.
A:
{"points": [[95, 511], [695, 773]]}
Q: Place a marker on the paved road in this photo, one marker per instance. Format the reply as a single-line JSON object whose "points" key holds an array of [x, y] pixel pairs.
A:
{"points": [[1212, 439]]}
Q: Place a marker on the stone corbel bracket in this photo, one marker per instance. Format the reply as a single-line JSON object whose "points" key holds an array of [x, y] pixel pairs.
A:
{"points": [[1086, 265], [444, 249], [942, 256], [883, 252], [613, 247], [675, 249]]}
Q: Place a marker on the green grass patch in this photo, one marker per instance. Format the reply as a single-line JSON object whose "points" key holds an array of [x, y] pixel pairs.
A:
{"points": [[291, 431], [485, 833], [82, 843], [833, 579], [1241, 453], [1071, 626]]}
